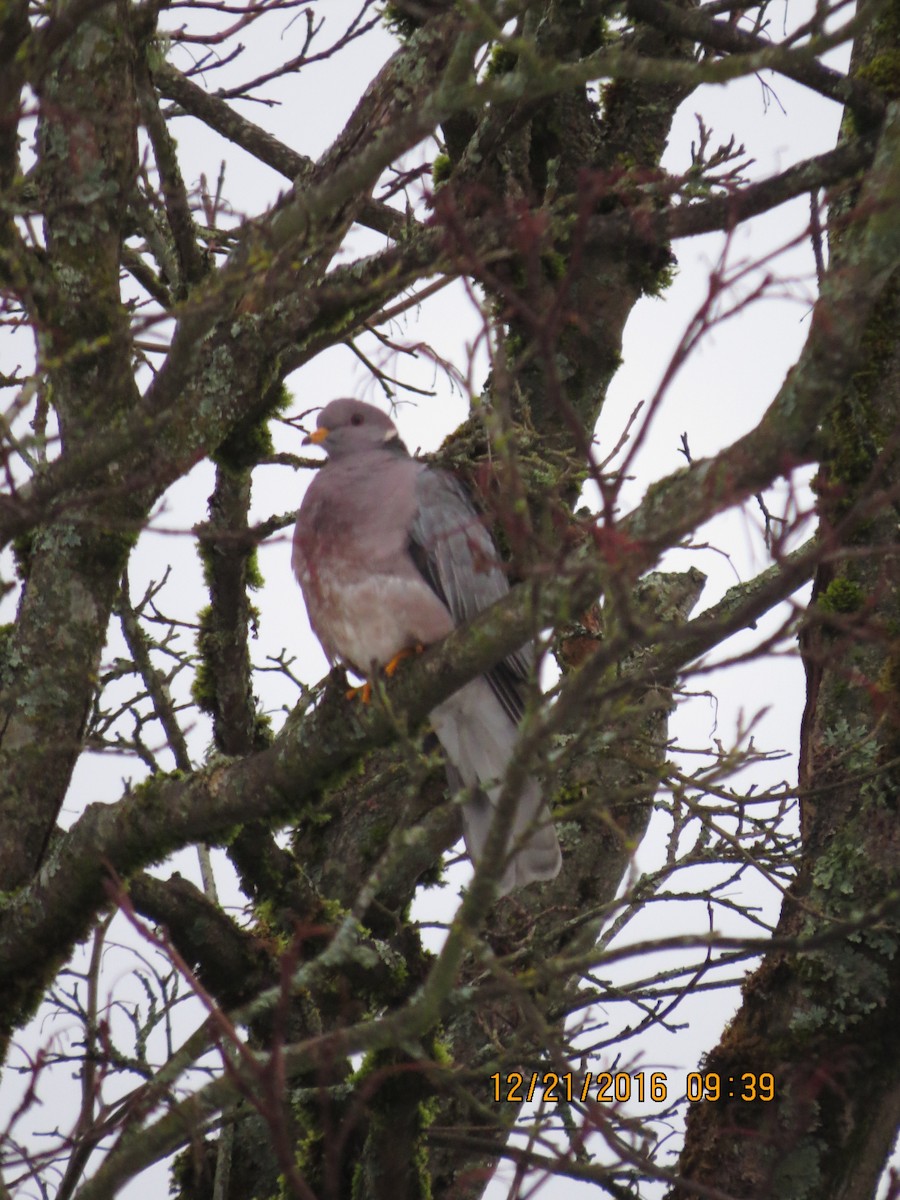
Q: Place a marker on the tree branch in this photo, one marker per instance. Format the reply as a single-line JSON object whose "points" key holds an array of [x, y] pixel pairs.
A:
{"points": [[214, 112]]}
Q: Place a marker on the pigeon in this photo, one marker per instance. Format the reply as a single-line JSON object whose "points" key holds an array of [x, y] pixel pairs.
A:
{"points": [[391, 556]]}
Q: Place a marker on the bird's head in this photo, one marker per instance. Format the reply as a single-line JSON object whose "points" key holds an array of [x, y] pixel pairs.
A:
{"points": [[350, 426]]}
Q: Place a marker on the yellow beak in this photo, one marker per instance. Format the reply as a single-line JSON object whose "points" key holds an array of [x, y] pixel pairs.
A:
{"points": [[317, 437]]}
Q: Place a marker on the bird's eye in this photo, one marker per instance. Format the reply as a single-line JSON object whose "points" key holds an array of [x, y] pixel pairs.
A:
{"points": [[356, 419]]}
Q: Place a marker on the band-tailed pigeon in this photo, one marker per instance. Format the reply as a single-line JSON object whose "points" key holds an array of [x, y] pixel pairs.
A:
{"points": [[391, 555]]}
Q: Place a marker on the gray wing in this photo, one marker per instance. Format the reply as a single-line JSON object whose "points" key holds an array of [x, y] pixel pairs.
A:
{"points": [[457, 558]]}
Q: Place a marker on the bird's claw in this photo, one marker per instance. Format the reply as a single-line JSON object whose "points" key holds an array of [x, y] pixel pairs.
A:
{"points": [[364, 691], [391, 667]]}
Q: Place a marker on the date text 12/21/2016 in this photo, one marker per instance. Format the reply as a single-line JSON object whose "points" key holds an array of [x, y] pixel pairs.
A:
{"points": [[620, 1087]]}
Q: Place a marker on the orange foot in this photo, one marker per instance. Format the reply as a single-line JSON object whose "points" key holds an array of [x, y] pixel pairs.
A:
{"points": [[391, 667], [364, 691]]}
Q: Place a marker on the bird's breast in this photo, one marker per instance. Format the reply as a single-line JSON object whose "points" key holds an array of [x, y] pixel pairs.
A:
{"points": [[365, 599]]}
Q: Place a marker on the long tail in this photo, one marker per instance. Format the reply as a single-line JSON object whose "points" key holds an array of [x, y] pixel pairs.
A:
{"points": [[479, 739]]}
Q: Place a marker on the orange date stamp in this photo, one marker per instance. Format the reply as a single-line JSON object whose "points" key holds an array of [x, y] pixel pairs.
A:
{"points": [[620, 1087]]}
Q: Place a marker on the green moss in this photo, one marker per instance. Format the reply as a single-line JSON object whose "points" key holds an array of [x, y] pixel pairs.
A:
{"points": [[399, 969], [253, 576], [440, 1051], [433, 876], [502, 61], [400, 1110], [250, 440], [111, 548], [262, 730], [268, 926], [886, 26], [23, 552], [441, 169], [654, 271], [428, 1110], [203, 689], [842, 596], [853, 431], [603, 35], [401, 24], [555, 265], [307, 1146], [849, 459], [609, 93], [883, 72], [376, 836], [193, 1171], [663, 279], [6, 634], [247, 443]]}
